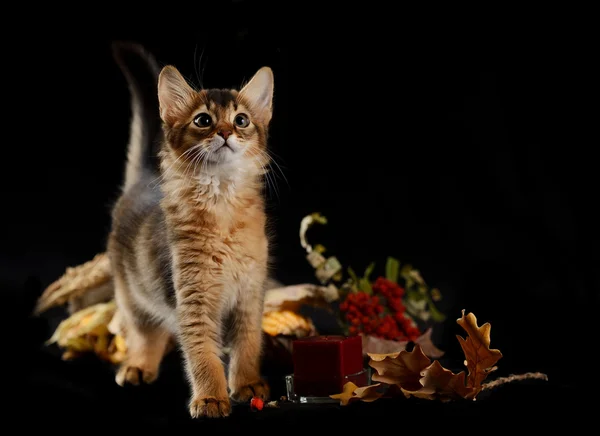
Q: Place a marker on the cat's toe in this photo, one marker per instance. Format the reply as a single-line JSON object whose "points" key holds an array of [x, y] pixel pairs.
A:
{"points": [[258, 389], [210, 407]]}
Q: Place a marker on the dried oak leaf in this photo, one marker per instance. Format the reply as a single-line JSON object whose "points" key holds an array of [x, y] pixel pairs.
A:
{"points": [[368, 394], [403, 368], [293, 297], [350, 392], [75, 282], [376, 345], [346, 395], [439, 382], [479, 358]]}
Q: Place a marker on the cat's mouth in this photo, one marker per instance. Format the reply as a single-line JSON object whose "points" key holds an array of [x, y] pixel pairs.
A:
{"points": [[220, 153], [226, 145], [220, 145]]}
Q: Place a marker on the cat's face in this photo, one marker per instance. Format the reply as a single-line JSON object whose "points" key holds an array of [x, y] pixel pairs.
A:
{"points": [[220, 129]]}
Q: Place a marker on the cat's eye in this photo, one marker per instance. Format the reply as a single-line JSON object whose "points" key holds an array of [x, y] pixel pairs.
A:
{"points": [[203, 120], [241, 120]]}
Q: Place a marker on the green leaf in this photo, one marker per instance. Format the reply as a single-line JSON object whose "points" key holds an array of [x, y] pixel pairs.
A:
{"points": [[436, 315], [405, 274], [392, 269], [415, 295], [353, 275], [369, 271], [365, 286]]}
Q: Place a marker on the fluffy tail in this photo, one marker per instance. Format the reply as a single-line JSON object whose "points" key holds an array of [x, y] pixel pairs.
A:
{"points": [[141, 71]]}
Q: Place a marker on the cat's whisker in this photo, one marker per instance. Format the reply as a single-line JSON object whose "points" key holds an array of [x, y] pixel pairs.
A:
{"points": [[260, 158], [270, 162], [162, 176], [269, 181], [199, 160], [271, 185], [204, 162], [187, 168], [191, 164], [180, 182]]}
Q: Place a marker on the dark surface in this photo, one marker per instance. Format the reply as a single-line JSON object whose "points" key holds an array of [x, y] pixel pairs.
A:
{"points": [[457, 142], [83, 393]]}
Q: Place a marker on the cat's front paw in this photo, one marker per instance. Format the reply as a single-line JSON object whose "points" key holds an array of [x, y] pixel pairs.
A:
{"points": [[210, 407], [258, 389]]}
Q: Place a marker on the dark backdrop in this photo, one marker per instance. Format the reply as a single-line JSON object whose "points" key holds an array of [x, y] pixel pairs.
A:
{"points": [[457, 146]]}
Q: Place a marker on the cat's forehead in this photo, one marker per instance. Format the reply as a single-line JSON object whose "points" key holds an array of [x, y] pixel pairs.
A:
{"points": [[219, 99]]}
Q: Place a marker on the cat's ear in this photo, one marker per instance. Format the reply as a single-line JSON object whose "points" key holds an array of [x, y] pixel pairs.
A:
{"points": [[258, 92], [174, 94]]}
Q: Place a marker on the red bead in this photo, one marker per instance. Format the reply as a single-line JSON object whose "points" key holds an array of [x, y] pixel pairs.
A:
{"points": [[256, 403]]}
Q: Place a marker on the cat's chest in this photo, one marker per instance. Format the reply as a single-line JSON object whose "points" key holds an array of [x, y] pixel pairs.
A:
{"points": [[242, 263], [244, 249]]}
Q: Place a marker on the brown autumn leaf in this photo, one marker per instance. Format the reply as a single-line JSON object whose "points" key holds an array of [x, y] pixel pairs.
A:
{"points": [[293, 297], [402, 368], [439, 382], [75, 282], [346, 395], [479, 358], [375, 345], [413, 374], [369, 393], [350, 392]]}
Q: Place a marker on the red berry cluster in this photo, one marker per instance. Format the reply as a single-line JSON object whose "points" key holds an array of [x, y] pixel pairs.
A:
{"points": [[380, 314]]}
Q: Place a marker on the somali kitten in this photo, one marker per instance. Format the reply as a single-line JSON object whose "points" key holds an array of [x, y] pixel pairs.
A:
{"points": [[188, 244]]}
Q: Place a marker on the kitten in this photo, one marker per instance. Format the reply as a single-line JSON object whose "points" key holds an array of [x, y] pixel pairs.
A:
{"points": [[188, 244]]}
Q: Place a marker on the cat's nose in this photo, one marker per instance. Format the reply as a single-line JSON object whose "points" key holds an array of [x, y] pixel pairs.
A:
{"points": [[224, 133]]}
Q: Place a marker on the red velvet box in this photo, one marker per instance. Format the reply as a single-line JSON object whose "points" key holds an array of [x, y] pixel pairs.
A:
{"points": [[322, 364]]}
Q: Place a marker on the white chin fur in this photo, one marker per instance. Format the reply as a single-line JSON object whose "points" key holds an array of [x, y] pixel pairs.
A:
{"points": [[227, 168], [224, 154]]}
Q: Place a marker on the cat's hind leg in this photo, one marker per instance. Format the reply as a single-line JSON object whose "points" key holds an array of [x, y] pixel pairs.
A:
{"points": [[147, 343], [145, 350]]}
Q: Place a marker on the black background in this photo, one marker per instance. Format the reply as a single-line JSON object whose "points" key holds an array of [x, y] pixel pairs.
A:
{"points": [[457, 143]]}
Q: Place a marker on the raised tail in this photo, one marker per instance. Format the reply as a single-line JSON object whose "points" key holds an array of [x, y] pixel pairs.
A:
{"points": [[141, 72]]}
